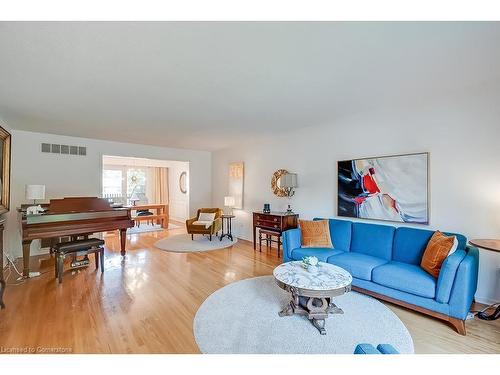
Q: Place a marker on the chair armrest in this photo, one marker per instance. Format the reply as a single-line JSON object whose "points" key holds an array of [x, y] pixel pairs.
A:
{"points": [[292, 239], [447, 275], [465, 285], [190, 222]]}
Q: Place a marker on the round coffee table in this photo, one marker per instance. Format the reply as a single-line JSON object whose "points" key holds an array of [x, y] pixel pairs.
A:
{"points": [[312, 291]]}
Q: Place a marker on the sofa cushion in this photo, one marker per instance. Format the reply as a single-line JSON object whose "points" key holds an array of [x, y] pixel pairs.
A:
{"points": [[321, 253], [409, 244], [372, 239], [405, 277], [341, 231], [358, 265]]}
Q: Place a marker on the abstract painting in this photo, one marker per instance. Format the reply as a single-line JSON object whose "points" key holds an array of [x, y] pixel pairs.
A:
{"points": [[236, 183], [393, 188]]}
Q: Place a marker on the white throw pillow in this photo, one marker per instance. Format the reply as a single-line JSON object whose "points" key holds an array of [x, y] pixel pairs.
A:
{"points": [[454, 247], [205, 216]]}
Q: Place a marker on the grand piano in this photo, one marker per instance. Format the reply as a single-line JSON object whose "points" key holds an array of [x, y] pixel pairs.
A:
{"points": [[72, 217]]}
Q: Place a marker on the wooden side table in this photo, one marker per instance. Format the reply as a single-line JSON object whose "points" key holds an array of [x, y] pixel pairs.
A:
{"points": [[275, 221], [491, 245], [228, 219]]}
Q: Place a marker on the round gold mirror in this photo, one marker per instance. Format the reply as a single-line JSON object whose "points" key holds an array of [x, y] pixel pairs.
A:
{"points": [[280, 192], [183, 182]]}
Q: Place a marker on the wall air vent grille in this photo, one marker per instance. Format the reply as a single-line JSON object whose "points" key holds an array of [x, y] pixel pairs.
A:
{"points": [[52, 148]]}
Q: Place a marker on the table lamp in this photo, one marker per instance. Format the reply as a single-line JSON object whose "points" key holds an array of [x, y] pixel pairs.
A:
{"points": [[35, 192], [288, 182], [229, 202]]}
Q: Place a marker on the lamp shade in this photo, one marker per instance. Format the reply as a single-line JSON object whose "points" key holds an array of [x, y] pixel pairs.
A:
{"points": [[35, 192], [229, 201], [288, 180]]}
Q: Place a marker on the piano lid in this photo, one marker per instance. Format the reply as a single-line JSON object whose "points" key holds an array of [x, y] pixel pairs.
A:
{"points": [[79, 204], [78, 208]]}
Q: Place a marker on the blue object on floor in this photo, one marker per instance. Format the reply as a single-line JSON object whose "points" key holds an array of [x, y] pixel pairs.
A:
{"points": [[370, 349]]}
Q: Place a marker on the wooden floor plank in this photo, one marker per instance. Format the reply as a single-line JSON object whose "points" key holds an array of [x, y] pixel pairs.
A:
{"points": [[146, 304]]}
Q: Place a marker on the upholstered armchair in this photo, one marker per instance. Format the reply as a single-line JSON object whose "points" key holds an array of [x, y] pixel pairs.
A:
{"points": [[216, 226]]}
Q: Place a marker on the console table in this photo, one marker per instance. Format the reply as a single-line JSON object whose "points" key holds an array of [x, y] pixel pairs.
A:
{"points": [[275, 221]]}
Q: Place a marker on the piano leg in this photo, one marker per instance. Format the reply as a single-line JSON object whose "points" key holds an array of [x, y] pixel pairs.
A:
{"points": [[123, 240], [26, 258]]}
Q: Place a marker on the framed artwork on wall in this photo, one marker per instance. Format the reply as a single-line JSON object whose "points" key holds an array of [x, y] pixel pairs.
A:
{"points": [[392, 188], [4, 170], [236, 173]]}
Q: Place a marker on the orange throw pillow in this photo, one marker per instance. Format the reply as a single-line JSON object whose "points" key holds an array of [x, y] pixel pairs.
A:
{"points": [[315, 233], [438, 248]]}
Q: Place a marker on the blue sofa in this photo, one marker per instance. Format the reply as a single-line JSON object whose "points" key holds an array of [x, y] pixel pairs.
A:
{"points": [[384, 262]]}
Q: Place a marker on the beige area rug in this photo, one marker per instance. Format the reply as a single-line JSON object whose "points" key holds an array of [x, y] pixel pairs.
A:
{"points": [[242, 318], [182, 243], [143, 228]]}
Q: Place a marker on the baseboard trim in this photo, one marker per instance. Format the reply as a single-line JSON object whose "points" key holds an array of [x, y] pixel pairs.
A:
{"points": [[486, 300]]}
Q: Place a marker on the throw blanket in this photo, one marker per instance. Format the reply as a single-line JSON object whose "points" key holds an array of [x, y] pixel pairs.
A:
{"points": [[206, 223]]}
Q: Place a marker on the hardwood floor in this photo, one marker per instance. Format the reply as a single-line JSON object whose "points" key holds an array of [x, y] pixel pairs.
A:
{"points": [[146, 304]]}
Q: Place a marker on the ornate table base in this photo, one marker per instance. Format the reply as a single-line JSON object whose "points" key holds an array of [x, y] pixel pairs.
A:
{"points": [[317, 309]]}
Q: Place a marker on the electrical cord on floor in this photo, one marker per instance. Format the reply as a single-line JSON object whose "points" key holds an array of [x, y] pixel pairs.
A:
{"points": [[20, 279], [12, 264], [493, 316]]}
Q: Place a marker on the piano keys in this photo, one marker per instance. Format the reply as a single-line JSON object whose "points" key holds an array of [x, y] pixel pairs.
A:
{"points": [[72, 217]]}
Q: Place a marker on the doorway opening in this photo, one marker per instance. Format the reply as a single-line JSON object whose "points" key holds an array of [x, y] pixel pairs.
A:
{"points": [[156, 190]]}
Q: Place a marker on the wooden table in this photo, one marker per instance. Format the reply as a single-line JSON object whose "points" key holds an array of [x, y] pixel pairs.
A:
{"points": [[161, 215], [275, 221], [491, 245]]}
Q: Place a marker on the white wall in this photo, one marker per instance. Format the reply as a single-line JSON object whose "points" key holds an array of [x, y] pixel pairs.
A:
{"points": [[460, 133], [70, 175]]}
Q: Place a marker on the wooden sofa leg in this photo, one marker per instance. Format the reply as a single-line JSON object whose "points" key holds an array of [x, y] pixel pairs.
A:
{"points": [[459, 325], [192, 237]]}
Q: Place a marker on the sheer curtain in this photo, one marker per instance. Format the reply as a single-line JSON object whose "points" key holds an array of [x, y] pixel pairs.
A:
{"points": [[160, 183]]}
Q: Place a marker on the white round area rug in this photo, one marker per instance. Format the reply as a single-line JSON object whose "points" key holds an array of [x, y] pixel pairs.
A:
{"points": [[182, 243], [242, 318]]}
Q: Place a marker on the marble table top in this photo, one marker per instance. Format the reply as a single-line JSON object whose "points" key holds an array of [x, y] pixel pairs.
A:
{"points": [[327, 276]]}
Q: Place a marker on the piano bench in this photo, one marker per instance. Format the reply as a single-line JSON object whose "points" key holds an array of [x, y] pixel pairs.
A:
{"points": [[80, 247]]}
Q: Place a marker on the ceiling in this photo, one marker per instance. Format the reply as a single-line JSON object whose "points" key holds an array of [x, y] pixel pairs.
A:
{"points": [[207, 85]]}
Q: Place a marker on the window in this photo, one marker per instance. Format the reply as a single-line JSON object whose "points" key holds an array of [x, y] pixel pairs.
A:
{"points": [[112, 183], [136, 184], [124, 184]]}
